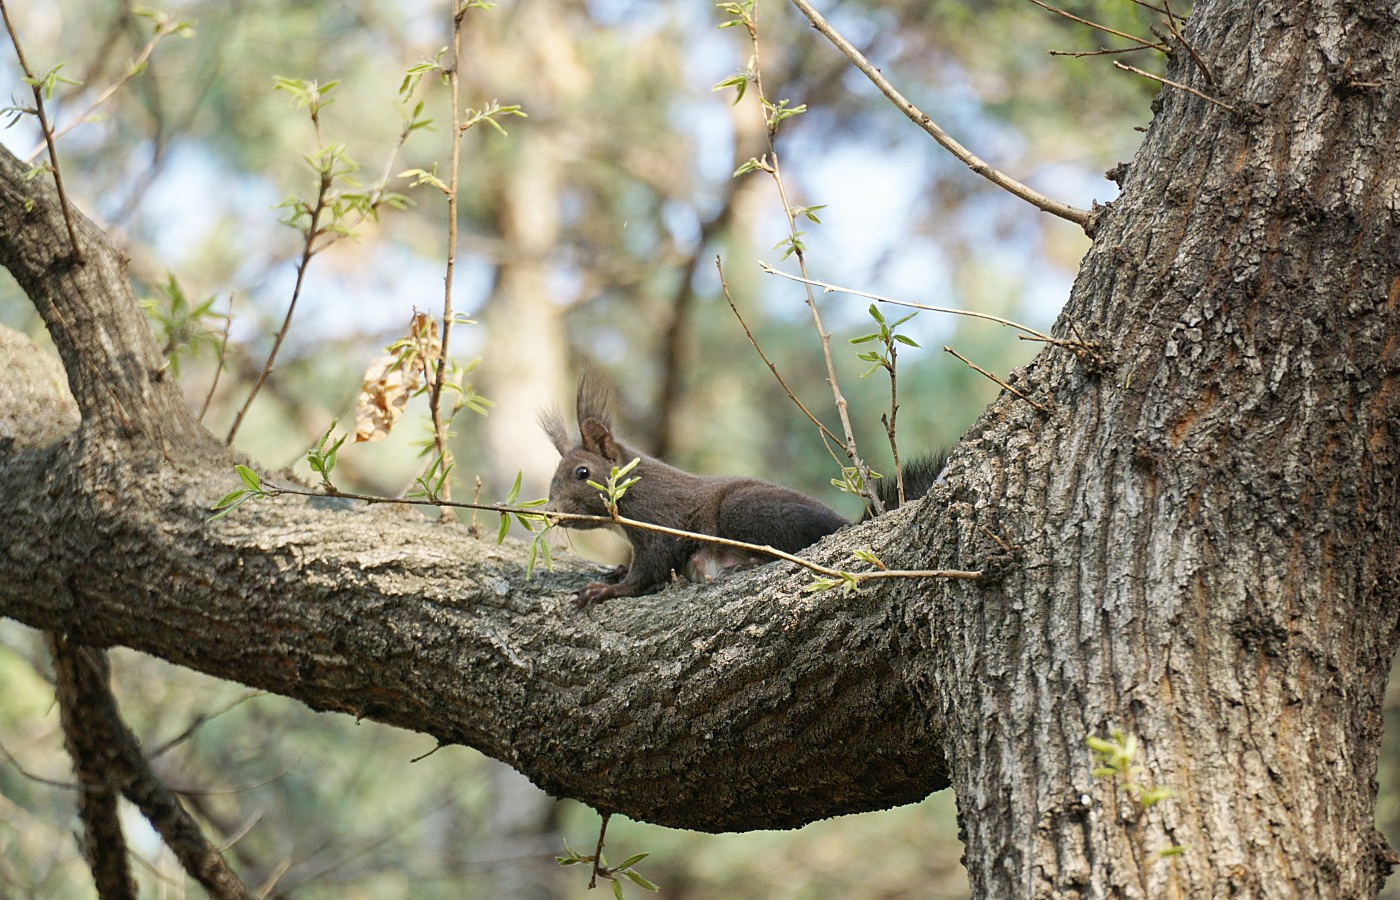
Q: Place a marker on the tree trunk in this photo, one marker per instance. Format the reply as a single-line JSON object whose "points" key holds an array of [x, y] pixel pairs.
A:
{"points": [[1204, 533], [1196, 545]]}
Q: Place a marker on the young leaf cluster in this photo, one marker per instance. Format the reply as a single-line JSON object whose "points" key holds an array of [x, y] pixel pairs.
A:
{"points": [[1115, 760], [252, 490], [322, 457], [181, 325], [853, 482], [430, 485], [616, 486], [535, 523], [615, 874], [888, 337]]}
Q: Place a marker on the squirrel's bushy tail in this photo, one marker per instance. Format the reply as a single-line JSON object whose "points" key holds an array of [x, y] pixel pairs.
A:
{"points": [[920, 474]]}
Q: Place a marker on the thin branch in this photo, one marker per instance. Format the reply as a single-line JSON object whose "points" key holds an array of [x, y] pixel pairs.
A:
{"points": [[598, 851], [1039, 407], [772, 118], [1157, 9], [555, 517], [1104, 28], [199, 722], [163, 30], [223, 356], [79, 673], [310, 246], [724, 285], [48, 133], [831, 288], [453, 74], [37, 779], [889, 422], [308, 251], [1089, 351], [1189, 90], [1103, 52], [1176, 33], [86, 699], [1079, 217]]}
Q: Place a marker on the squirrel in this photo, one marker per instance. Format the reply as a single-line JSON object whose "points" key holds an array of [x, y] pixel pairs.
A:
{"points": [[741, 509]]}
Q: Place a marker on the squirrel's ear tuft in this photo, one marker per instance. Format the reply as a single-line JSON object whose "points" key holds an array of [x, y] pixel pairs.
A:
{"points": [[552, 421], [598, 438], [592, 401]]}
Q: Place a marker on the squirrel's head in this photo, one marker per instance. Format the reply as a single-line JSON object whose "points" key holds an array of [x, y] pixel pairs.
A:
{"points": [[590, 458]]}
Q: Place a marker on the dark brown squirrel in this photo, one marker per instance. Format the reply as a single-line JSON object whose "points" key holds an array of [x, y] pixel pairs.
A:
{"points": [[741, 509]]}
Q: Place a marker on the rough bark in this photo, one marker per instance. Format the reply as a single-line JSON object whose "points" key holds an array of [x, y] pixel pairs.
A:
{"points": [[104, 844], [109, 762], [1197, 545], [1205, 534]]}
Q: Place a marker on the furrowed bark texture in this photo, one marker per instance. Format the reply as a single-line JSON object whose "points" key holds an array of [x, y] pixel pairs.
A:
{"points": [[1205, 533], [1197, 544]]}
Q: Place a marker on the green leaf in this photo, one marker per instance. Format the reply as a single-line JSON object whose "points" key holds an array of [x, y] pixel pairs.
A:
{"points": [[907, 341], [1153, 796], [641, 882], [1101, 746], [617, 889], [229, 499], [633, 860], [250, 478]]}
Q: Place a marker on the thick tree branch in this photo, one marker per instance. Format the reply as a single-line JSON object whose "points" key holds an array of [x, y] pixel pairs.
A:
{"points": [[695, 707], [115, 370], [108, 760], [79, 674], [677, 708]]}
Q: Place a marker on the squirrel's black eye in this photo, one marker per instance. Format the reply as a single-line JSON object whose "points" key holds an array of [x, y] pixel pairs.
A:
{"points": [[581, 473]]}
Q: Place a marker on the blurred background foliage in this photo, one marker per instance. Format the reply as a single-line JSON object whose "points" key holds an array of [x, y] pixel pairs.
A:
{"points": [[589, 234]]}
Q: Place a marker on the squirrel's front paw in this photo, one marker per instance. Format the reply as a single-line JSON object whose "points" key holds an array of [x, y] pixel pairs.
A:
{"points": [[595, 592]]}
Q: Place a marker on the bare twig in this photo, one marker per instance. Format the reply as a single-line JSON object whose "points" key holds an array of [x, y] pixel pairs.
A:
{"points": [[1176, 33], [1090, 351], [1078, 216], [1145, 5], [975, 367], [223, 356], [836, 289], [771, 165], [1104, 28], [453, 74], [273, 490], [724, 286], [308, 251], [1169, 83], [48, 133], [1000, 542], [37, 779], [163, 30], [598, 851], [199, 722], [828, 437], [1104, 52]]}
